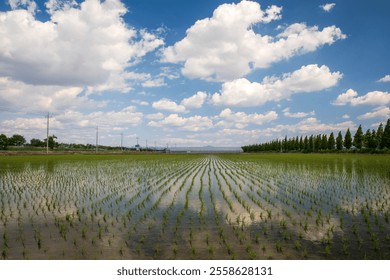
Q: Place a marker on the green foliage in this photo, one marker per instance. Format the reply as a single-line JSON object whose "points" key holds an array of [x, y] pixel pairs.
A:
{"points": [[52, 143], [16, 140], [379, 136], [370, 141], [331, 142], [385, 140], [37, 143], [324, 142], [358, 138], [348, 140], [3, 142], [339, 141]]}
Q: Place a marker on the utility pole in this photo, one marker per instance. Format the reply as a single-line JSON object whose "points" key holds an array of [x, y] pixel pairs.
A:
{"points": [[146, 144], [155, 146], [122, 141], [47, 132], [97, 137]]}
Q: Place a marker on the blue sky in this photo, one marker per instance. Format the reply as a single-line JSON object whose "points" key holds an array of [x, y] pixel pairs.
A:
{"points": [[192, 73]]}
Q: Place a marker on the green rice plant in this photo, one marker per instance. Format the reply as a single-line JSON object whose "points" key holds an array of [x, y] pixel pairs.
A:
{"points": [[174, 249], [63, 230], [241, 238], [39, 243], [193, 251], [257, 238], [265, 230], [5, 240], [269, 212], [211, 250], [283, 224], [229, 249], [142, 239], [297, 245], [156, 250], [207, 239], [279, 246], [4, 253], [327, 250], [84, 232], [253, 184], [305, 254]]}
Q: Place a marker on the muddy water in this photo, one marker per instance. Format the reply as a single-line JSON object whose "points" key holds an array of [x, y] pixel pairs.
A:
{"points": [[196, 207]]}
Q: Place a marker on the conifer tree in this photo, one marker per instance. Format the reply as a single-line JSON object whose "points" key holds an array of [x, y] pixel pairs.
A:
{"points": [[331, 142], [339, 141], [324, 142], [367, 139], [306, 144], [301, 144], [379, 135], [385, 141], [348, 140], [358, 138], [311, 143], [374, 140], [317, 142]]}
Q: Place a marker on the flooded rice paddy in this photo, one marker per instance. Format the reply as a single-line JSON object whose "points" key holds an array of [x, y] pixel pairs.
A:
{"points": [[195, 207]]}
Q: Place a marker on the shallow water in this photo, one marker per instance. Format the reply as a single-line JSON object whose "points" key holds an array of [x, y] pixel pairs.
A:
{"points": [[195, 207]]}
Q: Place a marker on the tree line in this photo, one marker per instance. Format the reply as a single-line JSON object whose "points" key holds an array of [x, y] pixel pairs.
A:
{"points": [[370, 141], [18, 140]]}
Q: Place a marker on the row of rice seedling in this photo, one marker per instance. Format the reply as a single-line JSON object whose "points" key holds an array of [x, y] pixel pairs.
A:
{"points": [[323, 215], [194, 206]]}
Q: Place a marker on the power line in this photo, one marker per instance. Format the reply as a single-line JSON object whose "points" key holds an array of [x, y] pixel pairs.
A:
{"points": [[122, 141], [97, 138], [47, 132]]}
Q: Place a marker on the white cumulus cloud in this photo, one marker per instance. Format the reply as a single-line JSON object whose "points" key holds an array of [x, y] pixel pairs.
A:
{"points": [[242, 119], [29, 5], [23, 97], [382, 112], [54, 5], [225, 47], [384, 79], [288, 114], [159, 82], [345, 98], [371, 98], [309, 78], [168, 105], [72, 126], [307, 126], [156, 116], [80, 45], [194, 123], [195, 101], [328, 7]]}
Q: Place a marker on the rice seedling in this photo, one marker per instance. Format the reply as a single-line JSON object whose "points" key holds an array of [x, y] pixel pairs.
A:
{"points": [[230, 203], [279, 246]]}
